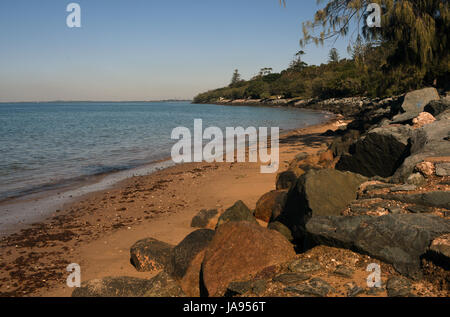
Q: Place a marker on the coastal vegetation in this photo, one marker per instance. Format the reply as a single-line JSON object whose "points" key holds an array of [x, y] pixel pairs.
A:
{"points": [[409, 51]]}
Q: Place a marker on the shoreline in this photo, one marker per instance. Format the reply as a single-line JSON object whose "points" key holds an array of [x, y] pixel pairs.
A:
{"points": [[15, 210], [132, 209]]}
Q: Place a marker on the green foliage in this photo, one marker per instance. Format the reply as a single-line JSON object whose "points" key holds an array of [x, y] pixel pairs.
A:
{"points": [[410, 51]]}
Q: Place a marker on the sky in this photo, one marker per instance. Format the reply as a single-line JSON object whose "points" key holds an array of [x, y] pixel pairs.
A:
{"points": [[146, 49]]}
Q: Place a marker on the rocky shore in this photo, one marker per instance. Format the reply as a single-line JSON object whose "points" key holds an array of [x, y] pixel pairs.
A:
{"points": [[377, 199]]}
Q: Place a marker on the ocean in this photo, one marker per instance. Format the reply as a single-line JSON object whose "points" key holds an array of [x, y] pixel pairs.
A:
{"points": [[48, 146]]}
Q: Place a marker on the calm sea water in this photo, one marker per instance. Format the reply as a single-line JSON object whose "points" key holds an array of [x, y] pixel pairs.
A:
{"points": [[46, 145]]}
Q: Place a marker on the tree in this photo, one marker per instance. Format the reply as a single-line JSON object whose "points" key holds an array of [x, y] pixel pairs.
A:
{"points": [[265, 71], [297, 63], [333, 56], [417, 31], [236, 78]]}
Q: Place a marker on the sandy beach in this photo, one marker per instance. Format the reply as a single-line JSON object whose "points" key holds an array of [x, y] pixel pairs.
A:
{"points": [[97, 230]]}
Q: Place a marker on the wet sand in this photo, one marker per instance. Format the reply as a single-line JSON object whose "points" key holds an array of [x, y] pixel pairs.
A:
{"points": [[97, 230]]}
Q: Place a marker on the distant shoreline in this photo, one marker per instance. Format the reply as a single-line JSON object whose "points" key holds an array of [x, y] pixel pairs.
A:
{"points": [[97, 101]]}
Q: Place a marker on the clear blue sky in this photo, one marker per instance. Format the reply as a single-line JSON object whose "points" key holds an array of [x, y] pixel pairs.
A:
{"points": [[145, 49]]}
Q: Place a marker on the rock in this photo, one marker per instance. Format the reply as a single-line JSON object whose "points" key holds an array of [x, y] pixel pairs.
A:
{"points": [[285, 180], [240, 288], [353, 289], [398, 287], [443, 169], [183, 254], [428, 141], [422, 119], [270, 205], [315, 287], [238, 251], [439, 199], [395, 210], [291, 278], [416, 179], [151, 254], [203, 218], [440, 251], [344, 271], [190, 283], [418, 209], [395, 239], [425, 168], [319, 193], [304, 266], [437, 107], [238, 212], [161, 285], [164, 286], [281, 228], [415, 102], [403, 188], [380, 152]]}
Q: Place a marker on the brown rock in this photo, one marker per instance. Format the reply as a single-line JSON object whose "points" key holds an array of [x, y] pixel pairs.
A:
{"points": [[422, 119], [270, 205], [425, 168], [240, 250], [190, 283], [151, 254]]}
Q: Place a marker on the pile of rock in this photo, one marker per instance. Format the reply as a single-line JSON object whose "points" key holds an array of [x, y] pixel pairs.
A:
{"points": [[380, 194]]}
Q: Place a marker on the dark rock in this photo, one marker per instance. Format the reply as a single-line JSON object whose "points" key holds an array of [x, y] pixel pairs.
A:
{"points": [[291, 278], [418, 209], [396, 239], [372, 187], [354, 290], [437, 107], [161, 285], [187, 250], [270, 205], [380, 152], [344, 271], [398, 287], [395, 210], [319, 193], [238, 251], [304, 266], [151, 254], [238, 212], [255, 287], [202, 219], [281, 228], [403, 188], [315, 287], [440, 199], [285, 180]]}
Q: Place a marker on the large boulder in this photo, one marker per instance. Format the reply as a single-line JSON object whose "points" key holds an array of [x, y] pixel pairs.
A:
{"points": [[187, 257], [270, 205], [238, 212], [286, 179], [203, 218], [437, 107], [428, 141], [399, 239], [380, 152], [161, 285], [151, 254], [415, 102], [319, 193], [186, 250], [238, 251]]}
